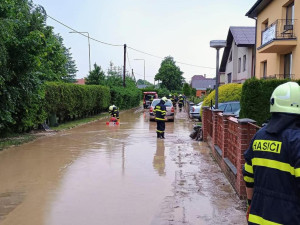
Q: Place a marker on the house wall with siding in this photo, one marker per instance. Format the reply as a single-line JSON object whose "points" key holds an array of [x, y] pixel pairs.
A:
{"points": [[274, 11]]}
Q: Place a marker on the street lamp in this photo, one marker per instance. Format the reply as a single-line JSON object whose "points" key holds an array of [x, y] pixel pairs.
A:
{"points": [[217, 44], [88, 43], [144, 69]]}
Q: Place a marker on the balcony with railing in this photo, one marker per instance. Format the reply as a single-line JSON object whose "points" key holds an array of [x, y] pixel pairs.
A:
{"points": [[279, 37], [280, 77]]}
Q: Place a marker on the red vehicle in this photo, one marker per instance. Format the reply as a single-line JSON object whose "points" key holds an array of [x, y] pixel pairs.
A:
{"points": [[147, 98]]}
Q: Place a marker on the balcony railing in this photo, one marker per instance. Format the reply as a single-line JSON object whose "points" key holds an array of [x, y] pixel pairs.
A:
{"points": [[280, 29], [280, 76]]}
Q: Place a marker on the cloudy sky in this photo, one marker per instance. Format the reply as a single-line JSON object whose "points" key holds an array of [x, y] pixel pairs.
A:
{"points": [[180, 28]]}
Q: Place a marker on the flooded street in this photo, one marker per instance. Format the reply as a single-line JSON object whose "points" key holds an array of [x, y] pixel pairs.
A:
{"points": [[116, 175]]}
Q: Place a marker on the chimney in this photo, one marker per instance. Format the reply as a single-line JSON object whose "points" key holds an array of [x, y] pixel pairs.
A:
{"points": [[204, 75]]}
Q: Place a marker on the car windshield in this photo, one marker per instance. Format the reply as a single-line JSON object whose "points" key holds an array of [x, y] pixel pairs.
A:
{"points": [[156, 101]]}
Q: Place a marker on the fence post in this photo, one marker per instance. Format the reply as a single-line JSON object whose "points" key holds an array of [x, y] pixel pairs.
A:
{"points": [[224, 146], [215, 125], [244, 140], [205, 122]]}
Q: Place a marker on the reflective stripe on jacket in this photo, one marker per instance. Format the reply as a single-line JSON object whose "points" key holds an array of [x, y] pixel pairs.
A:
{"points": [[160, 111]]}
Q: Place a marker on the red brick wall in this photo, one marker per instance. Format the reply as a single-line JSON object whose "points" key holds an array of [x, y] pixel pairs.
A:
{"points": [[232, 137]]}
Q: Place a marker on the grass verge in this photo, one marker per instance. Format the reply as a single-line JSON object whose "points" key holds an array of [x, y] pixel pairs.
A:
{"points": [[75, 123], [18, 139]]}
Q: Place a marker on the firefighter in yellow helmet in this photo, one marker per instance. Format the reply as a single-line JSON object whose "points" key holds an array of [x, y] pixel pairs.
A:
{"points": [[272, 168], [180, 102], [114, 112]]}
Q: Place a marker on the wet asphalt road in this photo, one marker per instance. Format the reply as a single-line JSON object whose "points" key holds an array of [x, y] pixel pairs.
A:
{"points": [[116, 175]]}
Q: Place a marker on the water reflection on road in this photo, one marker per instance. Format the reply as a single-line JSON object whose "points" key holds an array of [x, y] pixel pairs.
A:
{"points": [[111, 175]]}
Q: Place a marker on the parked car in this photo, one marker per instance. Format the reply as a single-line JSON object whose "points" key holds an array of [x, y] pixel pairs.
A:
{"points": [[233, 107], [170, 110], [147, 97], [195, 111]]}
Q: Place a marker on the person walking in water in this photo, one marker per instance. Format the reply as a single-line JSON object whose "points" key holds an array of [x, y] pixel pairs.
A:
{"points": [[114, 112], [160, 117]]}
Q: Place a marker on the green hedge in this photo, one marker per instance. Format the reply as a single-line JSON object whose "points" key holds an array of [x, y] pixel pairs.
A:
{"points": [[72, 100], [255, 101], [125, 98]]}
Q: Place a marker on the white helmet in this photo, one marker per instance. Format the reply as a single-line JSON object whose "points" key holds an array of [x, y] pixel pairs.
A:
{"points": [[164, 99], [111, 107], [286, 98], [180, 95]]}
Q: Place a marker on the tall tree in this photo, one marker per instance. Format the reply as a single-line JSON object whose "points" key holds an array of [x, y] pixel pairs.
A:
{"points": [[186, 89], [170, 75], [30, 54], [96, 76]]}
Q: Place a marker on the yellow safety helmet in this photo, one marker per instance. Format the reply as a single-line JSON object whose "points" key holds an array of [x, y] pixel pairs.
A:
{"points": [[164, 99], [111, 107], [286, 98]]}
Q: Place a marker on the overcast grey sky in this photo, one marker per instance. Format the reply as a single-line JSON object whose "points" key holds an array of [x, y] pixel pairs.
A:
{"points": [[180, 28]]}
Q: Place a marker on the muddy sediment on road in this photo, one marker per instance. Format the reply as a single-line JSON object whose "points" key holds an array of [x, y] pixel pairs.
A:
{"points": [[98, 174]]}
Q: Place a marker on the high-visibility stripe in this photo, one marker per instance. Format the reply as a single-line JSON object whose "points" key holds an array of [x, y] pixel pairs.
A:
{"points": [[159, 110], [248, 179], [159, 131], [248, 168], [297, 172], [261, 221], [159, 118], [285, 167]]}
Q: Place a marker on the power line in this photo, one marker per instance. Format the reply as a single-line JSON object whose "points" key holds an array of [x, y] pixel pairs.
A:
{"points": [[118, 45], [102, 42]]}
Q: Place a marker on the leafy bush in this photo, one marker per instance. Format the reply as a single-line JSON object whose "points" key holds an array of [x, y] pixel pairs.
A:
{"points": [[125, 98], [227, 92], [71, 100], [255, 101]]}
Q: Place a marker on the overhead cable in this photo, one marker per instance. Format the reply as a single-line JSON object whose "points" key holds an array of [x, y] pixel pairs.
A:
{"points": [[102, 42], [119, 45]]}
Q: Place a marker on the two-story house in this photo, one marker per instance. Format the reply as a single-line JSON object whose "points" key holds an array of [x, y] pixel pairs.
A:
{"points": [[237, 63], [277, 29]]}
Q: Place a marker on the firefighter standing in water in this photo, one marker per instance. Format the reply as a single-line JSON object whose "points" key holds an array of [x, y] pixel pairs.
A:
{"points": [[160, 111], [180, 102], [114, 112], [272, 168]]}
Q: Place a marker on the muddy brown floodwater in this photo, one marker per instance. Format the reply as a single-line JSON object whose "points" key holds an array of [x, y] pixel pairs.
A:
{"points": [[116, 175]]}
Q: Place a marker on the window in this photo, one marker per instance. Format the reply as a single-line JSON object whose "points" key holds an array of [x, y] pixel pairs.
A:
{"points": [[288, 59], [230, 57], [290, 14], [229, 77], [244, 63], [265, 65], [239, 65]]}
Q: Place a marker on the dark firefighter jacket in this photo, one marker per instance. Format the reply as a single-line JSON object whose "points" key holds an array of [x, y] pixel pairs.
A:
{"points": [[272, 168], [180, 101], [160, 111], [114, 112]]}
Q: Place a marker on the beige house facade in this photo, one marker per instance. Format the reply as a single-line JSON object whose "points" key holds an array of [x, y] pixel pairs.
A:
{"points": [[277, 33], [238, 56]]}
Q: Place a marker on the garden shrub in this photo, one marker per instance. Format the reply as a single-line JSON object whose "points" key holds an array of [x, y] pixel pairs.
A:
{"points": [[255, 101], [71, 100]]}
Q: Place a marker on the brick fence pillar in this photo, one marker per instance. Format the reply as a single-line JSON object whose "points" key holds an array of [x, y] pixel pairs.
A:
{"points": [[205, 119], [243, 144], [224, 146], [215, 125]]}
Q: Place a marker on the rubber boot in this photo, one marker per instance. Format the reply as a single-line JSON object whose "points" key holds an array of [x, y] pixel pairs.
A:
{"points": [[162, 135], [158, 135]]}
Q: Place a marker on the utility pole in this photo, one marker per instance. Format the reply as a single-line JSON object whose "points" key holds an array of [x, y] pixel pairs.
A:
{"points": [[124, 84]]}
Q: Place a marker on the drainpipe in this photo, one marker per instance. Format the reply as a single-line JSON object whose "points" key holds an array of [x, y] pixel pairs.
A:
{"points": [[255, 46]]}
